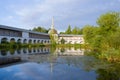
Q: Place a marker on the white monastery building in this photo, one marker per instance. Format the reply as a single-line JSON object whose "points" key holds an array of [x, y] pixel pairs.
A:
{"points": [[69, 39], [9, 34]]}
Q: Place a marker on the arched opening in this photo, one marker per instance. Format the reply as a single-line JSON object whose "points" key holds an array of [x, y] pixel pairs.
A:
{"points": [[25, 41], [45, 41], [41, 49], [4, 40], [34, 50], [41, 41], [48, 41], [38, 50], [24, 50], [29, 50], [38, 41], [19, 41], [12, 40], [18, 51], [30, 41], [34, 41], [45, 50]]}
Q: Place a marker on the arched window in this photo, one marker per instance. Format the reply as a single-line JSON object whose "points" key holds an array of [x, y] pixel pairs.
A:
{"points": [[30, 41], [12, 40], [25, 41], [19, 41], [4, 40]]}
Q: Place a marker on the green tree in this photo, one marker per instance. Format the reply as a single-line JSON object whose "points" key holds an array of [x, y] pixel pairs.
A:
{"points": [[89, 33], [80, 31], [40, 29], [75, 30], [62, 32], [68, 31], [108, 23]]}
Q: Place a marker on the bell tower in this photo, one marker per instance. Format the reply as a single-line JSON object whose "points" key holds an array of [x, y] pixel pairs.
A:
{"points": [[52, 26]]}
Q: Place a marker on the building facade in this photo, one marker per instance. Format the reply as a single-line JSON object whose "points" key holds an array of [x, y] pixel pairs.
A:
{"points": [[68, 38], [10, 34], [71, 39]]}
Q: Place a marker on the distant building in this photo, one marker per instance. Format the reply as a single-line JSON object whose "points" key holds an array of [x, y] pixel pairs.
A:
{"points": [[69, 38], [12, 34]]}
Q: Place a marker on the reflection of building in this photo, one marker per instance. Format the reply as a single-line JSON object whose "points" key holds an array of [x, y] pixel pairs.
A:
{"points": [[70, 52], [69, 39], [24, 52]]}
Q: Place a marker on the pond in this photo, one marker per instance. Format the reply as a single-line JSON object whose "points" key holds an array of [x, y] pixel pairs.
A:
{"points": [[56, 64]]}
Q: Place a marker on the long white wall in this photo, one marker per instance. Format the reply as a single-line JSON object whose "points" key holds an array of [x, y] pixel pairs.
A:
{"points": [[72, 39], [25, 34], [25, 37]]}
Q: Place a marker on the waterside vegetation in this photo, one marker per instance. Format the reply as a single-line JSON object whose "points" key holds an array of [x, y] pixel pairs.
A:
{"points": [[104, 40]]}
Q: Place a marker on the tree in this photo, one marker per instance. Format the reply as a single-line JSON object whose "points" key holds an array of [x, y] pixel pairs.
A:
{"points": [[108, 22], [40, 29], [68, 31], [75, 30], [89, 33], [80, 31], [62, 32]]}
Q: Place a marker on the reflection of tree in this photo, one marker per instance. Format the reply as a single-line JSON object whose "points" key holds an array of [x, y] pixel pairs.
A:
{"points": [[104, 70], [12, 51], [62, 50], [110, 73], [52, 50]]}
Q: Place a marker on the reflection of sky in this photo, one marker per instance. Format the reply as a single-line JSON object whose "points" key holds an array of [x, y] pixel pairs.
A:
{"points": [[34, 71]]}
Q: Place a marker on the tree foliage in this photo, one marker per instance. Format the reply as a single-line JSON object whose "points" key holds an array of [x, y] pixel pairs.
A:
{"points": [[109, 22], [89, 33], [105, 38], [68, 31], [75, 30], [40, 29]]}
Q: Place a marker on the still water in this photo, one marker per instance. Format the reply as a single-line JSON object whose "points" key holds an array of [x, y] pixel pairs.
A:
{"points": [[56, 64]]}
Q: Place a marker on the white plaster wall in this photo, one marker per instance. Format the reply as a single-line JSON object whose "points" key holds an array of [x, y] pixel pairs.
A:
{"points": [[25, 34]]}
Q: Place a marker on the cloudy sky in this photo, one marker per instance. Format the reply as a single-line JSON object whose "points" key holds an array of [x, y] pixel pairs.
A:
{"points": [[27, 14]]}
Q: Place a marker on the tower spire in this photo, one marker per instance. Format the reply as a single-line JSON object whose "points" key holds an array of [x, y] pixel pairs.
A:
{"points": [[52, 26]]}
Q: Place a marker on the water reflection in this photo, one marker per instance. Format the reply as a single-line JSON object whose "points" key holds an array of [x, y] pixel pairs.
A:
{"points": [[70, 51], [23, 51], [61, 64], [43, 50]]}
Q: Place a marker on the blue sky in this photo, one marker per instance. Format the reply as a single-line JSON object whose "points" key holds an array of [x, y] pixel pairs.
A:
{"points": [[27, 14]]}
